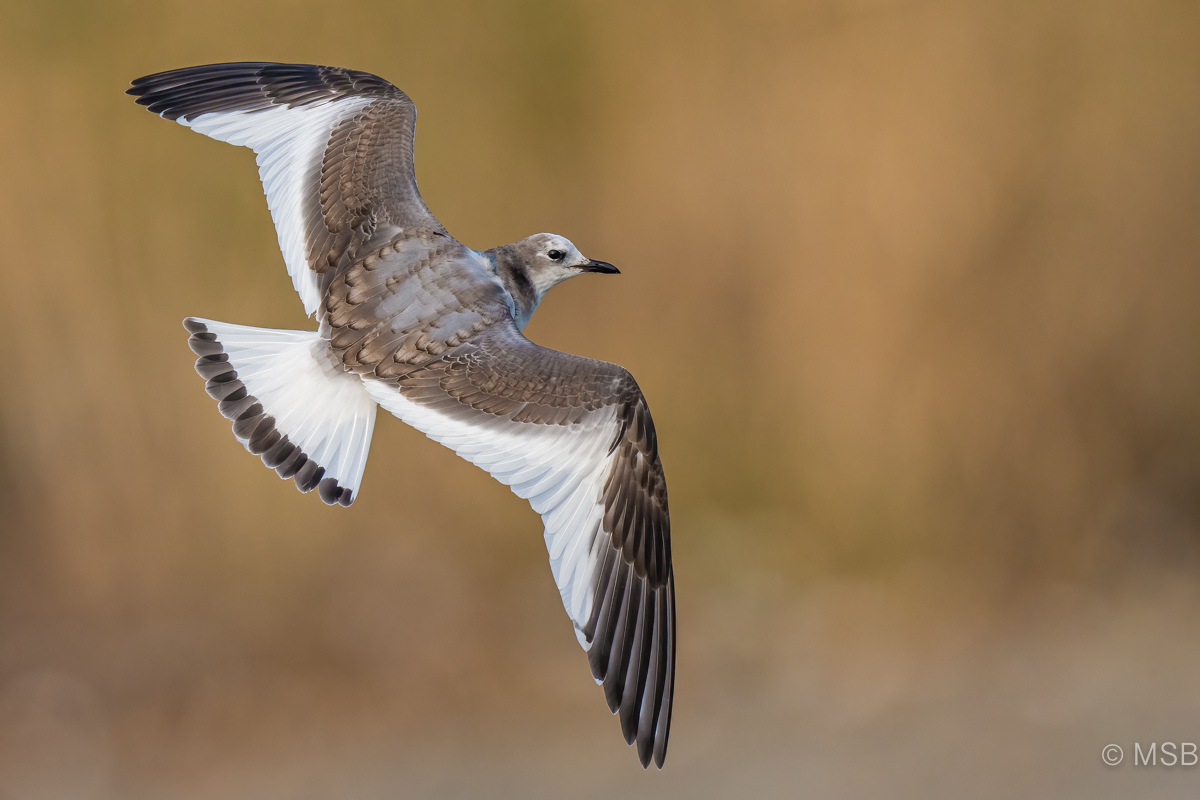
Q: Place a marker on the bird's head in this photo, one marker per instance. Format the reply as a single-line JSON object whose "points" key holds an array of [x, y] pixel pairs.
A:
{"points": [[536, 264], [549, 259]]}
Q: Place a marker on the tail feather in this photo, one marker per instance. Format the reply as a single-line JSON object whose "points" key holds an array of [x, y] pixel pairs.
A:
{"points": [[307, 418]]}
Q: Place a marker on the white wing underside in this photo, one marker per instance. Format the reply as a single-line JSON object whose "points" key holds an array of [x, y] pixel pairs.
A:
{"points": [[559, 469], [290, 143], [318, 405]]}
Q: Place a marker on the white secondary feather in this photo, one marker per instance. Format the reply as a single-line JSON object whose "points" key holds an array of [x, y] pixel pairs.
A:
{"points": [[559, 469], [290, 143], [320, 407]]}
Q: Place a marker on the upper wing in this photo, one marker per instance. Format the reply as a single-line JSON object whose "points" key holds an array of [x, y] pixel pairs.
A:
{"points": [[575, 438], [335, 153]]}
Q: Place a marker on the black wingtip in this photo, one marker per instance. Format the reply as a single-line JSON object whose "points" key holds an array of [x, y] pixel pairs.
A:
{"points": [[333, 494], [247, 86]]}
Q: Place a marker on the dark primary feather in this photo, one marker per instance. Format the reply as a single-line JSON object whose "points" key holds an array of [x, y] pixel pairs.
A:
{"points": [[252, 86]]}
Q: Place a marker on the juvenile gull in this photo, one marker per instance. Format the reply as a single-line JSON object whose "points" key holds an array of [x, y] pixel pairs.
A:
{"points": [[429, 329]]}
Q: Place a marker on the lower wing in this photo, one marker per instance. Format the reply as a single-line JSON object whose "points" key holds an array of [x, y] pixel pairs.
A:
{"points": [[574, 437]]}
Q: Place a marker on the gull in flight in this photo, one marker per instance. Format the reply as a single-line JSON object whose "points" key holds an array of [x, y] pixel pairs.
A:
{"points": [[420, 324]]}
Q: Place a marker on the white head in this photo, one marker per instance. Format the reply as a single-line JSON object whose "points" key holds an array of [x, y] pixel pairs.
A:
{"points": [[536, 264]]}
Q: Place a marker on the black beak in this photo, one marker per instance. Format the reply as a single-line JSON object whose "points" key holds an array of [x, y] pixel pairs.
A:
{"points": [[600, 266]]}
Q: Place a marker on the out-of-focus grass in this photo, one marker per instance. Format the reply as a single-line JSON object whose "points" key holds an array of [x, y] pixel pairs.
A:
{"points": [[910, 287]]}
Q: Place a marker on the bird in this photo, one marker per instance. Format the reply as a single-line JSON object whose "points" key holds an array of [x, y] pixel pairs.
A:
{"points": [[413, 321]]}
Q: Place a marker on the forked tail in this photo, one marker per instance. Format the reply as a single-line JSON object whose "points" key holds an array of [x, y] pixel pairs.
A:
{"points": [[290, 403]]}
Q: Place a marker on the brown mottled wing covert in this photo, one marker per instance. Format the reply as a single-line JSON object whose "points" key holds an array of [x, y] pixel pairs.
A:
{"points": [[407, 300]]}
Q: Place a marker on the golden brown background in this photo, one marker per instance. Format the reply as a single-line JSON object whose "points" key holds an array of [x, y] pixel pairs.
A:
{"points": [[911, 288]]}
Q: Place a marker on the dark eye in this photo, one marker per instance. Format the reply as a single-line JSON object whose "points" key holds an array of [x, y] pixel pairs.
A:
{"points": [[556, 255]]}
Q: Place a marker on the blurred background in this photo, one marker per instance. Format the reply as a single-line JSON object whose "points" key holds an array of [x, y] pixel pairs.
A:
{"points": [[910, 285]]}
